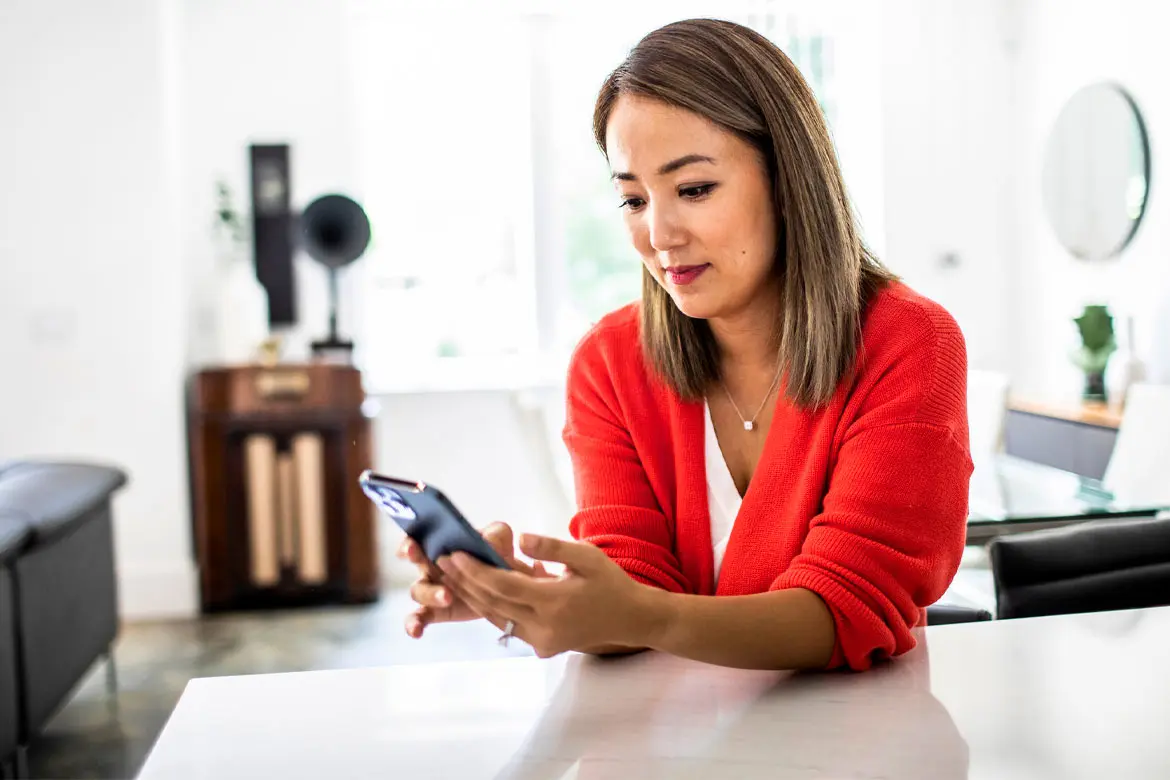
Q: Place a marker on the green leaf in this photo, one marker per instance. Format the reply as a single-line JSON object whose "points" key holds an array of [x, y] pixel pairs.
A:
{"points": [[1096, 328]]}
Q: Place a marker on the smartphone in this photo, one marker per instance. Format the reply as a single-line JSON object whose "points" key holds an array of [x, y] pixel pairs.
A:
{"points": [[428, 517]]}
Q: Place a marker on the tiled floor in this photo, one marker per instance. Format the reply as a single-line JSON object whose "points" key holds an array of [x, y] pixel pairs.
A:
{"points": [[97, 735], [101, 736]]}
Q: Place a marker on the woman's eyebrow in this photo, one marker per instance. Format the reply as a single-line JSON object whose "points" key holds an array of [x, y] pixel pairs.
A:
{"points": [[670, 167]]}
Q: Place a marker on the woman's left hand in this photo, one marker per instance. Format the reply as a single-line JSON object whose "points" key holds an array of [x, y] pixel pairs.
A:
{"points": [[594, 603]]}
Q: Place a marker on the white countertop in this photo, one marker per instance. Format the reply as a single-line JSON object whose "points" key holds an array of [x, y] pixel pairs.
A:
{"points": [[1064, 697]]}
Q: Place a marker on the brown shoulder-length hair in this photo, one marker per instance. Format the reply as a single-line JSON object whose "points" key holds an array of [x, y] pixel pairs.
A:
{"points": [[741, 81]]}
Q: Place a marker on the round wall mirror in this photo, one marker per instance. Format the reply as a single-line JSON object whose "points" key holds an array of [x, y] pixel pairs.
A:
{"points": [[1096, 172]]}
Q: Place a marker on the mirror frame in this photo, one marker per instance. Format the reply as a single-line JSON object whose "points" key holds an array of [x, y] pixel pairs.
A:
{"points": [[1144, 138]]}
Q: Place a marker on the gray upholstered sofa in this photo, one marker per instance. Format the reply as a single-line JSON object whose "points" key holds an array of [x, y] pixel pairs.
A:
{"points": [[58, 594], [11, 538]]}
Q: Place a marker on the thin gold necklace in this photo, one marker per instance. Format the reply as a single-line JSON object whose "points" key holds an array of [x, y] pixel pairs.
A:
{"points": [[750, 425]]}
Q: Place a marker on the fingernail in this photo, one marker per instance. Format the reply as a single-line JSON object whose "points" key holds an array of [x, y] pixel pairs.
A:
{"points": [[443, 597]]}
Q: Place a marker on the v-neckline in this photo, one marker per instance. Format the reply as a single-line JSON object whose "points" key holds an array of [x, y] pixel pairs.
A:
{"points": [[693, 510], [724, 500], [720, 478]]}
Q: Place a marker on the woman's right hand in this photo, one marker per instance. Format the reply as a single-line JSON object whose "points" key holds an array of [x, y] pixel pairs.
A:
{"points": [[437, 601]]}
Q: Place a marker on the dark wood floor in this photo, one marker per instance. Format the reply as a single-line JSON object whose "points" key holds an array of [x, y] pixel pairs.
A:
{"points": [[98, 735]]}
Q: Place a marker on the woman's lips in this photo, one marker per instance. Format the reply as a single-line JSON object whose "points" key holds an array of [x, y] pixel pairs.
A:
{"points": [[685, 274]]}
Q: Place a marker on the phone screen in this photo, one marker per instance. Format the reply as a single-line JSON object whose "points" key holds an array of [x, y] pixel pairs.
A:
{"points": [[389, 498]]}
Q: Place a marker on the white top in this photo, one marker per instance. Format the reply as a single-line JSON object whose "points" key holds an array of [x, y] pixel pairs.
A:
{"points": [[722, 495], [1075, 697]]}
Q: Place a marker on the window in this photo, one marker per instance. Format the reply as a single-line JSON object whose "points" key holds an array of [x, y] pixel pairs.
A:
{"points": [[602, 271], [446, 181], [498, 236]]}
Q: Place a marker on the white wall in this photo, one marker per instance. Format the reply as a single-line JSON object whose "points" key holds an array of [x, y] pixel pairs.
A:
{"points": [[1067, 45], [481, 450], [971, 91], [118, 119], [263, 71], [128, 114], [946, 120], [91, 279], [246, 81]]}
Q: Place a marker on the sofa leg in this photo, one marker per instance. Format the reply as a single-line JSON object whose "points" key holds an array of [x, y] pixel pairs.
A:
{"points": [[22, 762], [111, 673]]}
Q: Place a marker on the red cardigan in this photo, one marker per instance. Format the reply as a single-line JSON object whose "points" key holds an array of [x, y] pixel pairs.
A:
{"points": [[863, 502]]}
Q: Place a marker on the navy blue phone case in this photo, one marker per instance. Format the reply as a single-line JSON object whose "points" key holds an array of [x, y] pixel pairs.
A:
{"points": [[428, 517]]}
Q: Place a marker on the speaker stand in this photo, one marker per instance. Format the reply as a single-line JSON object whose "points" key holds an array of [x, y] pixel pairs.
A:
{"points": [[333, 349]]}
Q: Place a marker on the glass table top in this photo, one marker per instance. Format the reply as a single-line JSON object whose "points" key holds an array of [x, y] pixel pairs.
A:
{"points": [[1005, 489]]}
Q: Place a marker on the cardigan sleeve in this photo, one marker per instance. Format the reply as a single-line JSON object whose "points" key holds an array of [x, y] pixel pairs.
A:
{"points": [[889, 538], [617, 508], [892, 526]]}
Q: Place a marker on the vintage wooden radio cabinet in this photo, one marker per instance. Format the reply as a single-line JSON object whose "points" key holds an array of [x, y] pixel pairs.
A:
{"points": [[278, 517]]}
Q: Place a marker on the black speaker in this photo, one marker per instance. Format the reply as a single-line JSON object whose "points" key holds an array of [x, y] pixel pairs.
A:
{"points": [[272, 230], [334, 231]]}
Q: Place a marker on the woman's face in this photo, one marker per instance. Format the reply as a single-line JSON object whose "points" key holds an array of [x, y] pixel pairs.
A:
{"points": [[697, 201]]}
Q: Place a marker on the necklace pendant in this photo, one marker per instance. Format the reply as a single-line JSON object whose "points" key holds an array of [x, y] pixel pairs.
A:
{"points": [[749, 425]]}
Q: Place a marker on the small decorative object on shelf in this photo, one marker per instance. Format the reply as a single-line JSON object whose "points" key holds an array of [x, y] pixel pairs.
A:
{"points": [[1097, 345], [270, 350], [240, 301]]}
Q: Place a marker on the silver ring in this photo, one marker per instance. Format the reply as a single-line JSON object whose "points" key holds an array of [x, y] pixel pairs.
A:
{"points": [[509, 627]]}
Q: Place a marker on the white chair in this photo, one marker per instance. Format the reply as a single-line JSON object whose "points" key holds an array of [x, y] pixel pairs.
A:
{"points": [[541, 413], [987, 396], [1139, 468]]}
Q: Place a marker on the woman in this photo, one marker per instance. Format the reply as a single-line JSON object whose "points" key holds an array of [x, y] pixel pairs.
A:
{"points": [[779, 423]]}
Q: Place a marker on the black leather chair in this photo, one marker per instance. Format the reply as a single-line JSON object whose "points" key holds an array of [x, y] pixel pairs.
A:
{"points": [[945, 614], [1089, 567]]}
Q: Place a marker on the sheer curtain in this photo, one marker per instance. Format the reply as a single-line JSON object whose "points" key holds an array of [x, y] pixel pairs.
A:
{"points": [[445, 160]]}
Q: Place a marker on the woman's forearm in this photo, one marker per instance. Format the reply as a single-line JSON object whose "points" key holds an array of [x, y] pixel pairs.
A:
{"points": [[783, 629]]}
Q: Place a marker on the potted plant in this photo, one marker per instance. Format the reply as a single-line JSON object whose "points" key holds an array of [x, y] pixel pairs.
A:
{"points": [[1097, 345], [241, 302]]}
